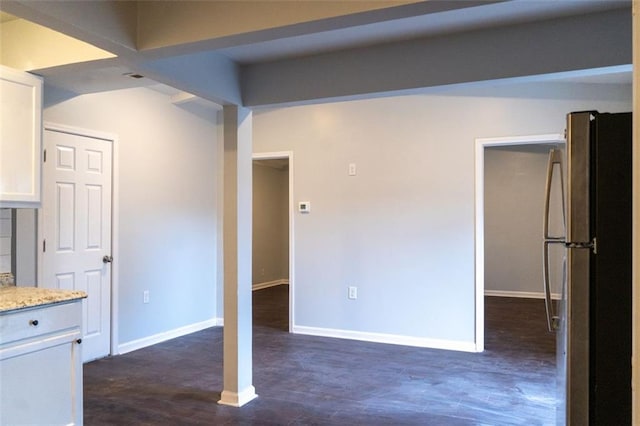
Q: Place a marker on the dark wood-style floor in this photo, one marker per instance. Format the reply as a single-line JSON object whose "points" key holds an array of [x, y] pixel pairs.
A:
{"points": [[305, 380]]}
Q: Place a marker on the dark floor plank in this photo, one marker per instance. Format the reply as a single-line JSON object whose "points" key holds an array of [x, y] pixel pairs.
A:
{"points": [[307, 380]]}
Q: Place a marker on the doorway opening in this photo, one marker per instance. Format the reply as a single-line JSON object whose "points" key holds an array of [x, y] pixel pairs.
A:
{"points": [[521, 274], [272, 242]]}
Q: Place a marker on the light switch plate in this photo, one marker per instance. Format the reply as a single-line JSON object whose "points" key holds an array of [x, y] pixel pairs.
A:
{"points": [[353, 293]]}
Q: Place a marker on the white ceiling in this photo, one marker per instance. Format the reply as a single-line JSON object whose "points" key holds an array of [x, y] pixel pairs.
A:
{"points": [[402, 23]]}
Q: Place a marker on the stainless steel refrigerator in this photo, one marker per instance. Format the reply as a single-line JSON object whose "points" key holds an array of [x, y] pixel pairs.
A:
{"points": [[592, 319]]}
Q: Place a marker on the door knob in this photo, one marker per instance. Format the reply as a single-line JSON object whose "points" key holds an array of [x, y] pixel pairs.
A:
{"points": [[107, 259]]}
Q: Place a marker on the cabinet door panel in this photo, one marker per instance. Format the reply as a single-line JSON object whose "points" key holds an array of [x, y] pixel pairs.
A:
{"points": [[39, 388], [40, 366], [20, 138]]}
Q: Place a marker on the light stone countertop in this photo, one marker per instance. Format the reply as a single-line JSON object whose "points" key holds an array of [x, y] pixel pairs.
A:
{"points": [[15, 298]]}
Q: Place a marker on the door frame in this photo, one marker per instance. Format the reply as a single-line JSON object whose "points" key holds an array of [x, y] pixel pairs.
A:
{"points": [[480, 145], [280, 155], [115, 188]]}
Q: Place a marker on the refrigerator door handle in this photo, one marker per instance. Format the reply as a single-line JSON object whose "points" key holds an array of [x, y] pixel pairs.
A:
{"points": [[555, 159], [552, 318]]}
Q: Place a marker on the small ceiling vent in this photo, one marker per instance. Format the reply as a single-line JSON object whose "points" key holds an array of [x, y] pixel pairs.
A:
{"points": [[133, 75]]}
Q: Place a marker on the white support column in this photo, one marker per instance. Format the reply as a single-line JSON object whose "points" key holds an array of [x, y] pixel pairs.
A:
{"points": [[237, 214]]}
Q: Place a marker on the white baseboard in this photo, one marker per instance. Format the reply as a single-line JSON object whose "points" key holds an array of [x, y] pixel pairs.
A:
{"points": [[521, 294], [267, 284], [393, 339], [164, 336]]}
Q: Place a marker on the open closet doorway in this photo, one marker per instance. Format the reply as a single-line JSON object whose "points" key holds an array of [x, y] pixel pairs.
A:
{"points": [[272, 242], [510, 185]]}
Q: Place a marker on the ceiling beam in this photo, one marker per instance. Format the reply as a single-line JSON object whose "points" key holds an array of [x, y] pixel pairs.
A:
{"points": [[558, 45], [208, 75]]}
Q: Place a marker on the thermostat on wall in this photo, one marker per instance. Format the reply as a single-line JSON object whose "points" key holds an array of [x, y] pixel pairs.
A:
{"points": [[304, 206]]}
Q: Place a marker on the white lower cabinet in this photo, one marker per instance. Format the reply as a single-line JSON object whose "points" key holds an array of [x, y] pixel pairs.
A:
{"points": [[41, 366]]}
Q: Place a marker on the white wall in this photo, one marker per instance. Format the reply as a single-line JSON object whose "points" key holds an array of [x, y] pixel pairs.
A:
{"points": [[21, 257], [5, 240], [167, 206], [270, 255], [402, 230], [26, 247]]}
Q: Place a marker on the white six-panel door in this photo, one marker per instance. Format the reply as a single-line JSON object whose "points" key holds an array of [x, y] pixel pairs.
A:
{"points": [[76, 222]]}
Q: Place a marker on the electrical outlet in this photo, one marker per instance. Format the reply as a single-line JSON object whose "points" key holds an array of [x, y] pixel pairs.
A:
{"points": [[353, 293], [145, 296], [352, 169]]}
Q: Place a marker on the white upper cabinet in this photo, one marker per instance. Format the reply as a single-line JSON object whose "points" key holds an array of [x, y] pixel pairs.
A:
{"points": [[20, 138]]}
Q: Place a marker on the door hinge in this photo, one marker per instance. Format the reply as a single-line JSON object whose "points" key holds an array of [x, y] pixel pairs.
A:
{"points": [[44, 246], [593, 245], [44, 157]]}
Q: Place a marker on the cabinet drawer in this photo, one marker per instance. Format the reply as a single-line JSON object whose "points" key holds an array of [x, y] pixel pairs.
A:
{"points": [[36, 322]]}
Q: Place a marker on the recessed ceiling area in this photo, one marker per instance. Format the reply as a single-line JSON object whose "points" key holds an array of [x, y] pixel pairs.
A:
{"points": [[27, 46], [5, 17]]}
